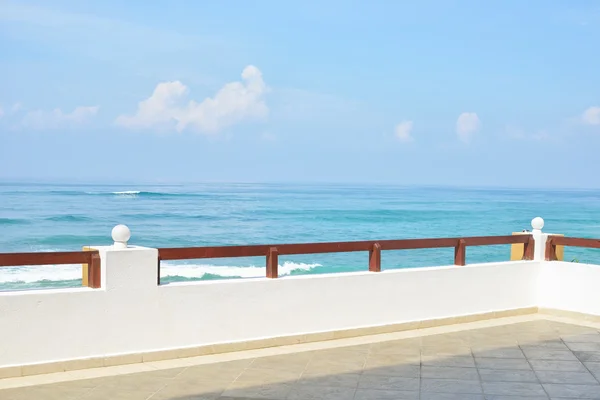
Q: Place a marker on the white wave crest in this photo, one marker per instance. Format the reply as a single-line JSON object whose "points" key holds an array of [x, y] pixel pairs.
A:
{"points": [[31, 274], [127, 193], [198, 271], [38, 273]]}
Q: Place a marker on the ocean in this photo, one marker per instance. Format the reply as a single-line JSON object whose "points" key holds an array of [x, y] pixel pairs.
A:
{"points": [[53, 217]]}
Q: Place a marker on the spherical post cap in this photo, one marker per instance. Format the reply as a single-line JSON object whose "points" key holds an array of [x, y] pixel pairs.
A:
{"points": [[121, 234], [537, 223]]}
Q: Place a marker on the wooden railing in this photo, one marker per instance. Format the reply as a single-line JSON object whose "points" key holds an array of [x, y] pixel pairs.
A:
{"points": [[554, 241], [91, 258], [272, 252]]}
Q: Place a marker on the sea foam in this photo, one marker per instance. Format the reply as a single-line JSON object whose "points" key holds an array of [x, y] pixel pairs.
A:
{"points": [[31, 274]]}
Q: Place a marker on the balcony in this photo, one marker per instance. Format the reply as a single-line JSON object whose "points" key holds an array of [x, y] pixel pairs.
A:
{"points": [[524, 328]]}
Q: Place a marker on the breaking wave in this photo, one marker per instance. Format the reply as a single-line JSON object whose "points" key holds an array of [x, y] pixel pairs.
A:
{"points": [[54, 273]]}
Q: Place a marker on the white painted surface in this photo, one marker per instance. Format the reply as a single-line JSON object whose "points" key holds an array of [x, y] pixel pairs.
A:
{"points": [[570, 287], [131, 314], [120, 235]]}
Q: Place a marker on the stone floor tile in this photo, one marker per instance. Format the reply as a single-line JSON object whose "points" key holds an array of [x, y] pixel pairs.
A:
{"points": [[592, 337], [591, 356], [592, 366], [544, 344], [137, 382], [283, 363], [60, 391], [388, 383], [502, 363], [572, 391], [405, 371], [449, 373], [276, 391], [321, 393], [506, 352], [566, 377], [396, 347], [187, 392], [212, 372], [344, 353], [455, 361], [393, 359], [446, 351], [501, 397], [334, 366], [451, 396], [503, 375], [546, 365], [336, 380], [114, 394], [513, 388], [377, 394], [591, 346], [450, 386], [221, 398], [549, 354], [263, 376]]}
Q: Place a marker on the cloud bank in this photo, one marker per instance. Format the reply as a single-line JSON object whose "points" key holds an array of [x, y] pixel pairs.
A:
{"points": [[168, 108]]}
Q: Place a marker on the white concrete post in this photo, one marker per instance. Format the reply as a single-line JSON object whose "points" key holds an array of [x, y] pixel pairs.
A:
{"points": [[539, 238], [125, 267]]}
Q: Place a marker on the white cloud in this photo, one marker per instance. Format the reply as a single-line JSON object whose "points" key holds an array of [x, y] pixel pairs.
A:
{"points": [[56, 118], [235, 102], [403, 130], [467, 124], [591, 116]]}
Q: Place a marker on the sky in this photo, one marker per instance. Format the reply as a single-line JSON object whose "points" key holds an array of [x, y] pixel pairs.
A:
{"points": [[445, 92]]}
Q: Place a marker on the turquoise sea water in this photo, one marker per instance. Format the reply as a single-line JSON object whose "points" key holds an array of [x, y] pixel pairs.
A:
{"points": [[47, 217]]}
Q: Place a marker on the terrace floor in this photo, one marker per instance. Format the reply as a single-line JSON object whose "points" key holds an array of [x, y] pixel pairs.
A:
{"points": [[533, 358]]}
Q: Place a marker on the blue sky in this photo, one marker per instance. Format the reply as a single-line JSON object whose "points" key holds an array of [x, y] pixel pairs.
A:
{"points": [[498, 93]]}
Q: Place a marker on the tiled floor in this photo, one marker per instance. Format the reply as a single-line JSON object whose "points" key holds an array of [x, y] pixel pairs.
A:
{"points": [[532, 360]]}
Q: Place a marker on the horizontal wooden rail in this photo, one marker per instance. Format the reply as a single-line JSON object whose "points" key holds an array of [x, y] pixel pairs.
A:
{"points": [[374, 247], [91, 258], [554, 241]]}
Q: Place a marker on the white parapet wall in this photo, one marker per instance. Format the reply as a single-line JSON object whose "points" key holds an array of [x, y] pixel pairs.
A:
{"points": [[131, 314], [570, 286]]}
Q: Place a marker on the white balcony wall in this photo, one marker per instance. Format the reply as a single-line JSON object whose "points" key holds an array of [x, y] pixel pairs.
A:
{"points": [[132, 314]]}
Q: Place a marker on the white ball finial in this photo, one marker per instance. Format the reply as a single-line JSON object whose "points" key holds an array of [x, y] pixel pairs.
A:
{"points": [[537, 223], [121, 235]]}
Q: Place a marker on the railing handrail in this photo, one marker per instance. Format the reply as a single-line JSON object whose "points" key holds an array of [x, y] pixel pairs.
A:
{"points": [[374, 247], [46, 258], [273, 251], [185, 253], [575, 241], [554, 240], [91, 258]]}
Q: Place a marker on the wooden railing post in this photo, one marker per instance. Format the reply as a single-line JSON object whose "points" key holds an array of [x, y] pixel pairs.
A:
{"points": [[375, 258], [94, 271], [272, 263], [528, 248], [460, 253], [550, 250]]}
